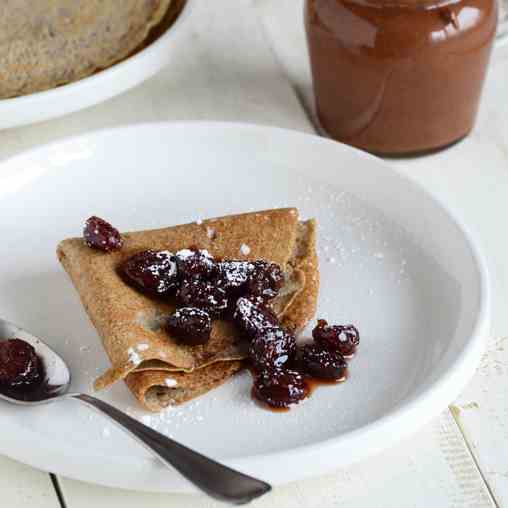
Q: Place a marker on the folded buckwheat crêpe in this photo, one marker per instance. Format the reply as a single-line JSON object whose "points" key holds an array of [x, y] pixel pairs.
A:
{"points": [[46, 43], [160, 370]]}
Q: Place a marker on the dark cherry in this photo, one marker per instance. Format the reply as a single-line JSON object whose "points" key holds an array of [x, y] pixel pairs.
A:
{"points": [[191, 325], [99, 234], [233, 276], [266, 280], [344, 339], [252, 316], [195, 263], [19, 364], [322, 363], [153, 272], [272, 348], [204, 295], [279, 388]]}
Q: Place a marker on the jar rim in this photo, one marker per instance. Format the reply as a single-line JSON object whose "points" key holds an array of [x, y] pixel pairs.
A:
{"points": [[415, 4]]}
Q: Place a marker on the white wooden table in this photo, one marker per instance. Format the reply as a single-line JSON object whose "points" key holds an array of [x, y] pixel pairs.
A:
{"points": [[245, 60]]}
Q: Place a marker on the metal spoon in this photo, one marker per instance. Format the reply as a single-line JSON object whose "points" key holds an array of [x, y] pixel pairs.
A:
{"points": [[214, 479]]}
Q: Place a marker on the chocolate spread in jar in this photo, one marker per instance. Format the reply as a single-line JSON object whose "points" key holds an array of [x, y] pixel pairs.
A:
{"points": [[400, 76]]}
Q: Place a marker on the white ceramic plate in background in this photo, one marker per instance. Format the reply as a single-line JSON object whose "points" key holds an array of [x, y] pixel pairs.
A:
{"points": [[99, 87], [393, 260]]}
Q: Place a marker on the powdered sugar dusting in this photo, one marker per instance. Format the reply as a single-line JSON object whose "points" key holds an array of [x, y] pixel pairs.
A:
{"points": [[187, 253], [236, 273], [252, 315], [134, 357], [142, 347], [165, 265], [191, 311]]}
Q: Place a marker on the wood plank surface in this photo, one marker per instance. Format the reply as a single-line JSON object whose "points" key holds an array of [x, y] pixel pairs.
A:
{"points": [[24, 487]]}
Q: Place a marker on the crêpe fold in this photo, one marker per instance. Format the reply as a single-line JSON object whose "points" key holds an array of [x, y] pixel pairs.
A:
{"points": [[129, 323]]}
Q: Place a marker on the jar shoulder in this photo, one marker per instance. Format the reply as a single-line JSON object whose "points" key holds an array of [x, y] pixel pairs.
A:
{"points": [[393, 28]]}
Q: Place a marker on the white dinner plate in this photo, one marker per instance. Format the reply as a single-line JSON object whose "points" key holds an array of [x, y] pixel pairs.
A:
{"points": [[97, 88], [393, 260]]}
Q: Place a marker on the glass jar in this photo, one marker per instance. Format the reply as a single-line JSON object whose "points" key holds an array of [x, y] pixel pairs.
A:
{"points": [[399, 76]]}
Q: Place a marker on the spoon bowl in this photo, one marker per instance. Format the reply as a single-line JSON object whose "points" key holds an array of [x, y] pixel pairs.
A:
{"points": [[57, 377], [214, 479]]}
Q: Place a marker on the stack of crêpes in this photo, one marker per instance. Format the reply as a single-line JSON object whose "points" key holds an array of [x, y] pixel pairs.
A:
{"points": [[47, 43]]}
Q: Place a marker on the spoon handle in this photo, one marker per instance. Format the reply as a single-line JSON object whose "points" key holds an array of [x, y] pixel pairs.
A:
{"points": [[216, 480]]}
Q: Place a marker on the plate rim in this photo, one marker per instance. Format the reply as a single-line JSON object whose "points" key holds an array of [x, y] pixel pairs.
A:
{"points": [[406, 418]]}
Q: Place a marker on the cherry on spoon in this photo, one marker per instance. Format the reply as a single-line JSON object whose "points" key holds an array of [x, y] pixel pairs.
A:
{"points": [[214, 479]]}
